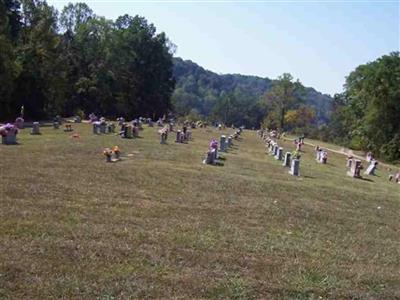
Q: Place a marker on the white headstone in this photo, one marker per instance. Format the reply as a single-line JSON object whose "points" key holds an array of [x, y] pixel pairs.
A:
{"points": [[371, 168]]}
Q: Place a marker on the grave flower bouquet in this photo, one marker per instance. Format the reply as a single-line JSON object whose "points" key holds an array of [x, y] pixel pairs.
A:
{"points": [[8, 129], [107, 153], [116, 151], [296, 154], [214, 144]]}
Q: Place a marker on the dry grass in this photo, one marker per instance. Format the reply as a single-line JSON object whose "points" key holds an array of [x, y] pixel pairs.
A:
{"points": [[160, 224]]}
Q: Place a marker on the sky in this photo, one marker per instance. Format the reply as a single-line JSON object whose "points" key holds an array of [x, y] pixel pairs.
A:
{"points": [[318, 42]]}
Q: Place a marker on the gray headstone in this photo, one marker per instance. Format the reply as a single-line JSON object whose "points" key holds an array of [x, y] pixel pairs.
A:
{"points": [[355, 169], [210, 157], [295, 168], [275, 150], [229, 141], [35, 128], [103, 128], [96, 128], [222, 143], [286, 160], [178, 137], [9, 139], [279, 154]]}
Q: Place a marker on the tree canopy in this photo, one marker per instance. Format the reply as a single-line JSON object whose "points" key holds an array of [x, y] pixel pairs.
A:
{"points": [[76, 61]]}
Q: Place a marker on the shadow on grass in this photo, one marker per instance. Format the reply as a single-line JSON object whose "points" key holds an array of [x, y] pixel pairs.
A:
{"points": [[366, 179]]}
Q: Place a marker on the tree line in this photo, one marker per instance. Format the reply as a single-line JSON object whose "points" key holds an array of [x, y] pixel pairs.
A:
{"points": [[234, 98], [74, 61]]}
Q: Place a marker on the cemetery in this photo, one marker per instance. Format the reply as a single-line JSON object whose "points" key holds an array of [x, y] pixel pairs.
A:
{"points": [[96, 215]]}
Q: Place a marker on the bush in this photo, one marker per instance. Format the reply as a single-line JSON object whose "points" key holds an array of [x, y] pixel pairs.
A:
{"points": [[391, 150]]}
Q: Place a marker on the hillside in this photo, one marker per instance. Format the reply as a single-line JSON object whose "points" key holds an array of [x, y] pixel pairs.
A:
{"points": [[161, 225], [197, 88]]}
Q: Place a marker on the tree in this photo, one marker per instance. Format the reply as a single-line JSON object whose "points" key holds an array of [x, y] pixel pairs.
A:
{"points": [[372, 111], [9, 69], [300, 118], [285, 94]]}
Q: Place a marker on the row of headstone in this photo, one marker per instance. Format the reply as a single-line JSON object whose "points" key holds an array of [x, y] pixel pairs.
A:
{"points": [[102, 127], [129, 131], [276, 151], [354, 167], [225, 143]]}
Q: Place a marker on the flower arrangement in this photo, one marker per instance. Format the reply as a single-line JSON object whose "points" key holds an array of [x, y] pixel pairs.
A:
{"points": [[8, 129], [108, 153], [116, 151], [296, 154], [214, 144]]}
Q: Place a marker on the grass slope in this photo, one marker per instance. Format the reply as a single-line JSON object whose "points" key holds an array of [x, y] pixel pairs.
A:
{"points": [[160, 224]]}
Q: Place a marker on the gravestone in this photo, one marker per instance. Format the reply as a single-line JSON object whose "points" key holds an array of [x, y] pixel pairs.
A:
{"points": [[103, 127], [222, 143], [295, 167], [96, 127], [78, 119], [178, 137], [349, 162], [371, 168], [135, 131], [111, 128], [163, 137], [188, 135], [128, 132], [121, 121], [56, 125], [35, 128], [355, 169], [318, 155], [8, 134], [286, 160], [9, 139], [275, 150], [19, 122], [229, 141], [279, 154], [324, 157], [150, 122], [210, 157]]}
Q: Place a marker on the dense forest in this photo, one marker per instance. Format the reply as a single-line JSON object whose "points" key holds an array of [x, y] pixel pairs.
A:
{"points": [[232, 98], [75, 62]]}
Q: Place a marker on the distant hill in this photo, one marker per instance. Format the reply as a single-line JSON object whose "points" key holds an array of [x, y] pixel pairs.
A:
{"points": [[198, 88]]}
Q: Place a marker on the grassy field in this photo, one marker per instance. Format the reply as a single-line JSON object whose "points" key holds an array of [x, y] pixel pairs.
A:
{"points": [[160, 224]]}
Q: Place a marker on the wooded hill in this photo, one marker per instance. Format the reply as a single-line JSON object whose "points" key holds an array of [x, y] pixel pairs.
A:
{"points": [[201, 90]]}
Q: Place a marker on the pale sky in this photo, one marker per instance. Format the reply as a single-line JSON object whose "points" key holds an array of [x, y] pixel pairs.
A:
{"points": [[318, 42]]}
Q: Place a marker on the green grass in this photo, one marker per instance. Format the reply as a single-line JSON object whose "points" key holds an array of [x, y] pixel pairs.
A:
{"points": [[160, 224]]}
